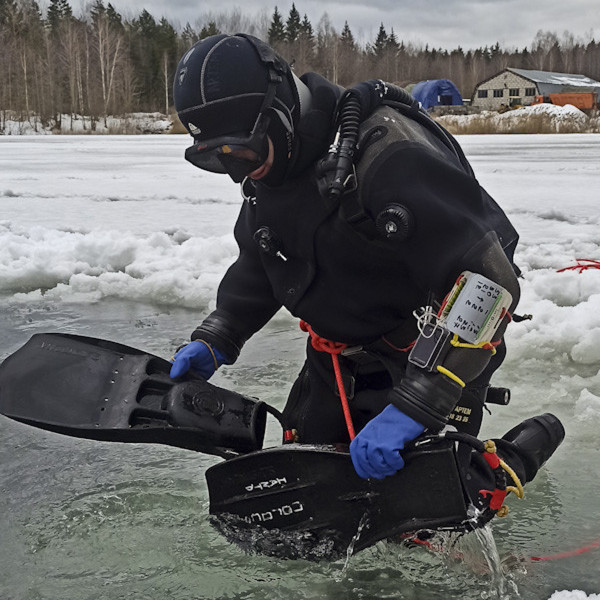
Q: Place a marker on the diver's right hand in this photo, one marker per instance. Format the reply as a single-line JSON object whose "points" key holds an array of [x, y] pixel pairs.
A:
{"points": [[199, 356], [375, 451]]}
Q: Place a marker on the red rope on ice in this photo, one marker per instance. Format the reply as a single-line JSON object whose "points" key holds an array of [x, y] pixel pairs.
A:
{"points": [[582, 265], [321, 344], [581, 550]]}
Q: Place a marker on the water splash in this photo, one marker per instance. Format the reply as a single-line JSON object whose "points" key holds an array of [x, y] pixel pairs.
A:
{"points": [[499, 583], [278, 543], [364, 522], [475, 553]]}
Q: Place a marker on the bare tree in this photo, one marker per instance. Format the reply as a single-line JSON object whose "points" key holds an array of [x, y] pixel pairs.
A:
{"points": [[327, 49], [108, 47], [541, 49], [165, 70]]}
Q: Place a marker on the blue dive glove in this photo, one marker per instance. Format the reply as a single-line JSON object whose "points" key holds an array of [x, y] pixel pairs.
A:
{"points": [[198, 356], [375, 450]]}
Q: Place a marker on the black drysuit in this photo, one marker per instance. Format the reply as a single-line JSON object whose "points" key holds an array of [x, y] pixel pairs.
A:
{"points": [[329, 265]]}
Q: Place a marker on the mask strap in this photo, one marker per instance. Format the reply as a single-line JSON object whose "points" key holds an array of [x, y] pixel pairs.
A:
{"points": [[267, 56], [304, 95]]}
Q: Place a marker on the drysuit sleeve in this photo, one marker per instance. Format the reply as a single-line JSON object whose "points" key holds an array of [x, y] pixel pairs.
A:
{"points": [[452, 231], [245, 300]]}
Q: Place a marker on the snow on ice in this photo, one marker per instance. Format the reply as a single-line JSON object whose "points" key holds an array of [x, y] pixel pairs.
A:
{"points": [[126, 217], [574, 595], [88, 218]]}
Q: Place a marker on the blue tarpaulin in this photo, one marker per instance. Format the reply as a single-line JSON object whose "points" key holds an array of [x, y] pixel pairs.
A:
{"points": [[436, 92]]}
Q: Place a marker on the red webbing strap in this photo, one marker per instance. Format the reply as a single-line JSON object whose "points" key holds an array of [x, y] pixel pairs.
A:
{"points": [[497, 495], [583, 264], [321, 344], [577, 552]]}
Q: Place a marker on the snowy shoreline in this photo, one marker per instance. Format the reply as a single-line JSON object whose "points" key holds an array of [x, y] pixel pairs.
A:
{"points": [[540, 118], [68, 124]]}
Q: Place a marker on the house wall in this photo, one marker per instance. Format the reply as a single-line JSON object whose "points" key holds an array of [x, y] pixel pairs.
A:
{"points": [[506, 84]]}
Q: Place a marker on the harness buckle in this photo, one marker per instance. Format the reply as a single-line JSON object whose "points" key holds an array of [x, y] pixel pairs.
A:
{"points": [[351, 351], [351, 181], [358, 355]]}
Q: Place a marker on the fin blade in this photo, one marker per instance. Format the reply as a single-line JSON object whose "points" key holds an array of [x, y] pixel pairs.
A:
{"points": [[101, 390]]}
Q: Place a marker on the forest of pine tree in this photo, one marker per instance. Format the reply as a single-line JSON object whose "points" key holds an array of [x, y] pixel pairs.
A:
{"points": [[100, 63]]}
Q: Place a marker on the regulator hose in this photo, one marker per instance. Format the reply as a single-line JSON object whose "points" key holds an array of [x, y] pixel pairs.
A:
{"points": [[349, 123], [393, 93], [355, 105], [336, 170]]}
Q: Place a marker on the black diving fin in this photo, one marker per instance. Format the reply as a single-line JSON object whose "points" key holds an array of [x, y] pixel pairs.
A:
{"points": [[304, 501], [101, 390], [292, 501]]}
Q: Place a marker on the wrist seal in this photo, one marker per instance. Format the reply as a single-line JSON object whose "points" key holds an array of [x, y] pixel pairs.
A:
{"points": [[217, 331], [426, 397]]}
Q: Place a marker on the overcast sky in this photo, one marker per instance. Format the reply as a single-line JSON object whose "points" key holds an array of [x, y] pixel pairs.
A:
{"points": [[439, 23]]}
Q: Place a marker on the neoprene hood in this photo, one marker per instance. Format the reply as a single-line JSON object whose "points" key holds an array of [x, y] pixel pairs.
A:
{"points": [[220, 89]]}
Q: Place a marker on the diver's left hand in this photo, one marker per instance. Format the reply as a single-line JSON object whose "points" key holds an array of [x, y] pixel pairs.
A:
{"points": [[375, 451]]}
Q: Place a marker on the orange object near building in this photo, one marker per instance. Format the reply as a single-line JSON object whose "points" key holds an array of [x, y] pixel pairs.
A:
{"points": [[582, 100]]}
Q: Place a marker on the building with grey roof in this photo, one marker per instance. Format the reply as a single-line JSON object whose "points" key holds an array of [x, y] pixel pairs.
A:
{"points": [[521, 86]]}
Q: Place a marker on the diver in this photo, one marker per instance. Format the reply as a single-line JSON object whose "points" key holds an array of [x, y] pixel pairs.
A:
{"points": [[363, 218]]}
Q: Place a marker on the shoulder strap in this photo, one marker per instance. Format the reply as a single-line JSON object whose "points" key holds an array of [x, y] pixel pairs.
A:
{"points": [[352, 208]]}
